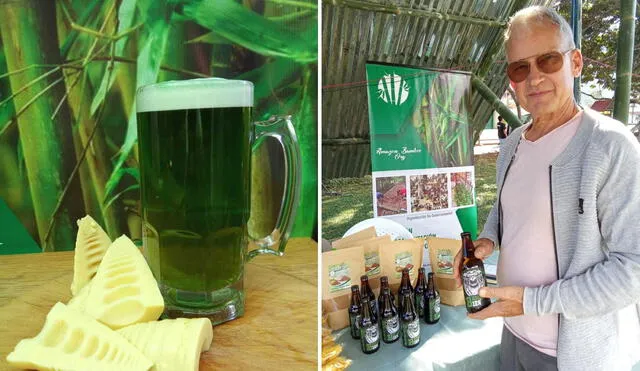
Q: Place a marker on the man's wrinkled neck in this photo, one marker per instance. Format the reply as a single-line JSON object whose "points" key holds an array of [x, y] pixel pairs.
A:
{"points": [[546, 123]]}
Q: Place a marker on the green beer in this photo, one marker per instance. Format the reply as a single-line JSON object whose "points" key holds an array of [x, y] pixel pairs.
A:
{"points": [[195, 143]]}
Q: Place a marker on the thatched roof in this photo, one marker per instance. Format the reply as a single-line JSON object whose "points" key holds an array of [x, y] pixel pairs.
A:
{"points": [[458, 35]]}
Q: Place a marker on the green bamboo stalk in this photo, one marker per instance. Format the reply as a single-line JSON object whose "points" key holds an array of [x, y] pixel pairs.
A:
{"points": [[495, 102], [91, 202], [89, 195], [96, 167], [14, 188], [624, 62], [306, 130], [28, 31]]}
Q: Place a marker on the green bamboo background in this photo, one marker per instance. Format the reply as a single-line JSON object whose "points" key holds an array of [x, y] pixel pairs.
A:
{"points": [[68, 74], [442, 120]]}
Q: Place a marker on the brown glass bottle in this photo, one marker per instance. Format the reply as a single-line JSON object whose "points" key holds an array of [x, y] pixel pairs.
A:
{"points": [[369, 332], [365, 291], [431, 302], [419, 291], [389, 320], [473, 277], [405, 285], [384, 283], [355, 308], [410, 322]]}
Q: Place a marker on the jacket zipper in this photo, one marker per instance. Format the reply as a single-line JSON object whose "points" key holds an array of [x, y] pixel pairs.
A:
{"points": [[553, 229], [553, 225], [504, 179]]}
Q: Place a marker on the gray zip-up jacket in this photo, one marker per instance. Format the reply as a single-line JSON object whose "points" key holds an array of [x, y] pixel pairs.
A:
{"points": [[595, 207]]}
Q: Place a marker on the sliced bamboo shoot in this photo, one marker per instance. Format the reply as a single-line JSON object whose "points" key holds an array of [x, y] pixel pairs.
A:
{"points": [[91, 245], [71, 340], [173, 344], [123, 292]]}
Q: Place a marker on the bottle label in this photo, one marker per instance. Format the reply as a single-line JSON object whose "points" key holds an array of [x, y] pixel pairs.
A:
{"points": [[372, 263], [354, 320], [339, 277], [403, 260], [420, 302], [374, 307], [445, 261], [411, 333], [390, 328], [369, 337], [434, 308], [472, 280]]}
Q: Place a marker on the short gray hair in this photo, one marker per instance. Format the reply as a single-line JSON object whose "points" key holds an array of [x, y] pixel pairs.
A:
{"points": [[540, 16]]}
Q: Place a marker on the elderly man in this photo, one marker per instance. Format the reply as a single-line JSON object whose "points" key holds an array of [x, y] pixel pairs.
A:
{"points": [[566, 216]]}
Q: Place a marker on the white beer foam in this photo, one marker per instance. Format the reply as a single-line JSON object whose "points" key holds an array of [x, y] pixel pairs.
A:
{"points": [[193, 94]]}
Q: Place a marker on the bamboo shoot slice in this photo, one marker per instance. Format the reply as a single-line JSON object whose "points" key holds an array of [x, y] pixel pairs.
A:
{"points": [[79, 302], [91, 245], [123, 291], [71, 340], [173, 344]]}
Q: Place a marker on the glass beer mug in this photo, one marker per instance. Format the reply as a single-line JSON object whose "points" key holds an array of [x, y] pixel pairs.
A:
{"points": [[195, 140]]}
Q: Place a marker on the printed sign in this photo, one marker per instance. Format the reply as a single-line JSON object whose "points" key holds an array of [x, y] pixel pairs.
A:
{"points": [[422, 149]]}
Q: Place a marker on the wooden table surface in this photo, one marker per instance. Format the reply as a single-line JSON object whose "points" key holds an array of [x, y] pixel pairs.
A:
{"points": [[278, 329]]}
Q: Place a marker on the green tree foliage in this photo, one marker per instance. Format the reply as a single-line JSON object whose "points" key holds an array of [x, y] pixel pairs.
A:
{"points": [[600, 20]]}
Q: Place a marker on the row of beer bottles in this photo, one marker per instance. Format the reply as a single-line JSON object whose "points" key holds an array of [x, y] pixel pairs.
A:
{"points": [[365, 315]]}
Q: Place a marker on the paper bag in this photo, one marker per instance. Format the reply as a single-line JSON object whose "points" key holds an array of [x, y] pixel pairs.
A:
{"points": [[442, 252]]}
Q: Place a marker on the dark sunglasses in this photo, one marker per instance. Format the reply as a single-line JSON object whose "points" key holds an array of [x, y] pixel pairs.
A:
{"points": [[548, 63]]}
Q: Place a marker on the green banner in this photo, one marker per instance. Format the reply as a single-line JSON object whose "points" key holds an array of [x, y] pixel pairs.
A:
{"points": [[421, 149]]}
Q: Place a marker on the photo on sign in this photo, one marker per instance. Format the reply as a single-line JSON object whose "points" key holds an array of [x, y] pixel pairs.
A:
{"points": [[461, 189], [391, 195], [429, 192]]}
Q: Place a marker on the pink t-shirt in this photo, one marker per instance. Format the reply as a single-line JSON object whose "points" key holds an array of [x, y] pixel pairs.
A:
{"points": [[527, 254]]}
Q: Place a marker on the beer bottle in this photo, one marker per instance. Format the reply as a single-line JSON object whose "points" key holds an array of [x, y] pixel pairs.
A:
{"points": [[432, 302], [405, 285], [366, 292], [473, 278], [384, 283], [410, 322], [419, 292], [354, 312], [369, 335], [389, 320]]}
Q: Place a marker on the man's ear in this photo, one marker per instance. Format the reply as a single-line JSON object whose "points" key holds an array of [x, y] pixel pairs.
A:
{"points": [[577, 62]]}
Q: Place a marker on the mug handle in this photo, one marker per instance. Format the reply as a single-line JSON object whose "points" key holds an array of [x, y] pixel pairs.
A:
{"points": [[281, 129]]}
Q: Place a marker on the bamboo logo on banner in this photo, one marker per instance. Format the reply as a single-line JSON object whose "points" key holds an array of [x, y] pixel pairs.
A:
{"points": [[393, 89]]}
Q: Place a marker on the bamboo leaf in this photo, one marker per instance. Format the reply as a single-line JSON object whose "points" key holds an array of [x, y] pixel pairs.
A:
{"points": [[115, 178], [452, 141], [115, 197], [296, 3], [216, 39], [250, 30], [210, 38], [126, 14], [293, 17], [270, 77]]}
